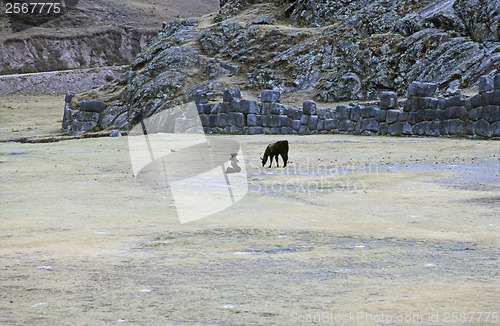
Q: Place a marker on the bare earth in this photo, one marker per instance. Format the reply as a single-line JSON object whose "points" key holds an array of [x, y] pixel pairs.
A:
{"points": [[357, 230]]}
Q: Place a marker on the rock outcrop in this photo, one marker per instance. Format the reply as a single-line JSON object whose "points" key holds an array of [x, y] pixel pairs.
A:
{"points": [[334, 50]]}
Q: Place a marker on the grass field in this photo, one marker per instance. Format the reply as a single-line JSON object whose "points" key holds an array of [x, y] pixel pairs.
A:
{"points": [[356, 230]]}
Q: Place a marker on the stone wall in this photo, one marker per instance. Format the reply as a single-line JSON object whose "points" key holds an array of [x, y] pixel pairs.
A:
{"points": [[422, 114]]}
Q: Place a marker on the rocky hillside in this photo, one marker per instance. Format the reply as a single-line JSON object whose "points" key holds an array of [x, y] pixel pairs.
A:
{"points": [[87, 34], [324, 50]]}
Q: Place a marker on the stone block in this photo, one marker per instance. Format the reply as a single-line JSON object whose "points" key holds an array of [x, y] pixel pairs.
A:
{"points": [[69, 96], [92, 106], [251, 120], [421, 89], [491, 113], [222, 120], [235, 105], [312, 122], [485, 99], [453, 126], [368, 111], [274, 121], [268, 95], [469, 127], [485, 84], [482, 128], [494, 97], [304, 130], [393, 116], [475, 101], [276, 108], [475, 114], [309, 107], [286, 130], [237, 119], [295, 124], [250, 107], [406, 105], [294, 113], [285, 120], [434, 128], [230, 94], [455, 112], [235, 130], [303, 120], [433, 103], [320, 126], [330, 124], [388, 100], [204, 119], [255, 130], [66, 117], [495, 128], [458, 100], [395, 129], [346, 125], [212, 120], [355, 112], [201, 97], [381, 115], [343, 112], [429, 114], [496, 81], [383, 128], [407, 128], [204, 108], [266, 108], [323, 113], [367, 124], [420, 129]]}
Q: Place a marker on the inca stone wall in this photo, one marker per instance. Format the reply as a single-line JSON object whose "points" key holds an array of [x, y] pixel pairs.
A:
{"points": [[421, 114]]}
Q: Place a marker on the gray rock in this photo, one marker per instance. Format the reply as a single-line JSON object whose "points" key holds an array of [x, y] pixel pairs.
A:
{"points": [[230, 94], [251, 120], [420, 89], [274, 121], [393, 116], [457, 100], [222, 120], [491, 113], [303, 119], [309, 107], [66, 117], [304, 130], [496, 81], [469, 127], [115, 133], [348, 88], [388, 100], [495, 129], [368, 111], [475, 101], [434, 128], [92, 106], [346, 125], [295, 124], [395, 129], [485, 84], [255, 130], [355, 112], [312, 122], [265, 20], [482, 128], [453, 88], [475, 114], [494, 97], [250, 107], [126, 77], [453, 127], [420, 129], [456, 112], [69, 96], [407, 128], [381, 115], [276, 108], [201, 97], [268, 95], [343, 112], [330, 124], [323, 113], [236, 119], [294, 113]]}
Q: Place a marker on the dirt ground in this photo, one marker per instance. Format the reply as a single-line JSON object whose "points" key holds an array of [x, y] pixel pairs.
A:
{"points": [[357, 230]]}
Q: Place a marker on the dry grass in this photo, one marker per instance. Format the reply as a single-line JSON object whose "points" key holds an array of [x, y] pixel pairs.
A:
{"points": [[369, 225]]}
